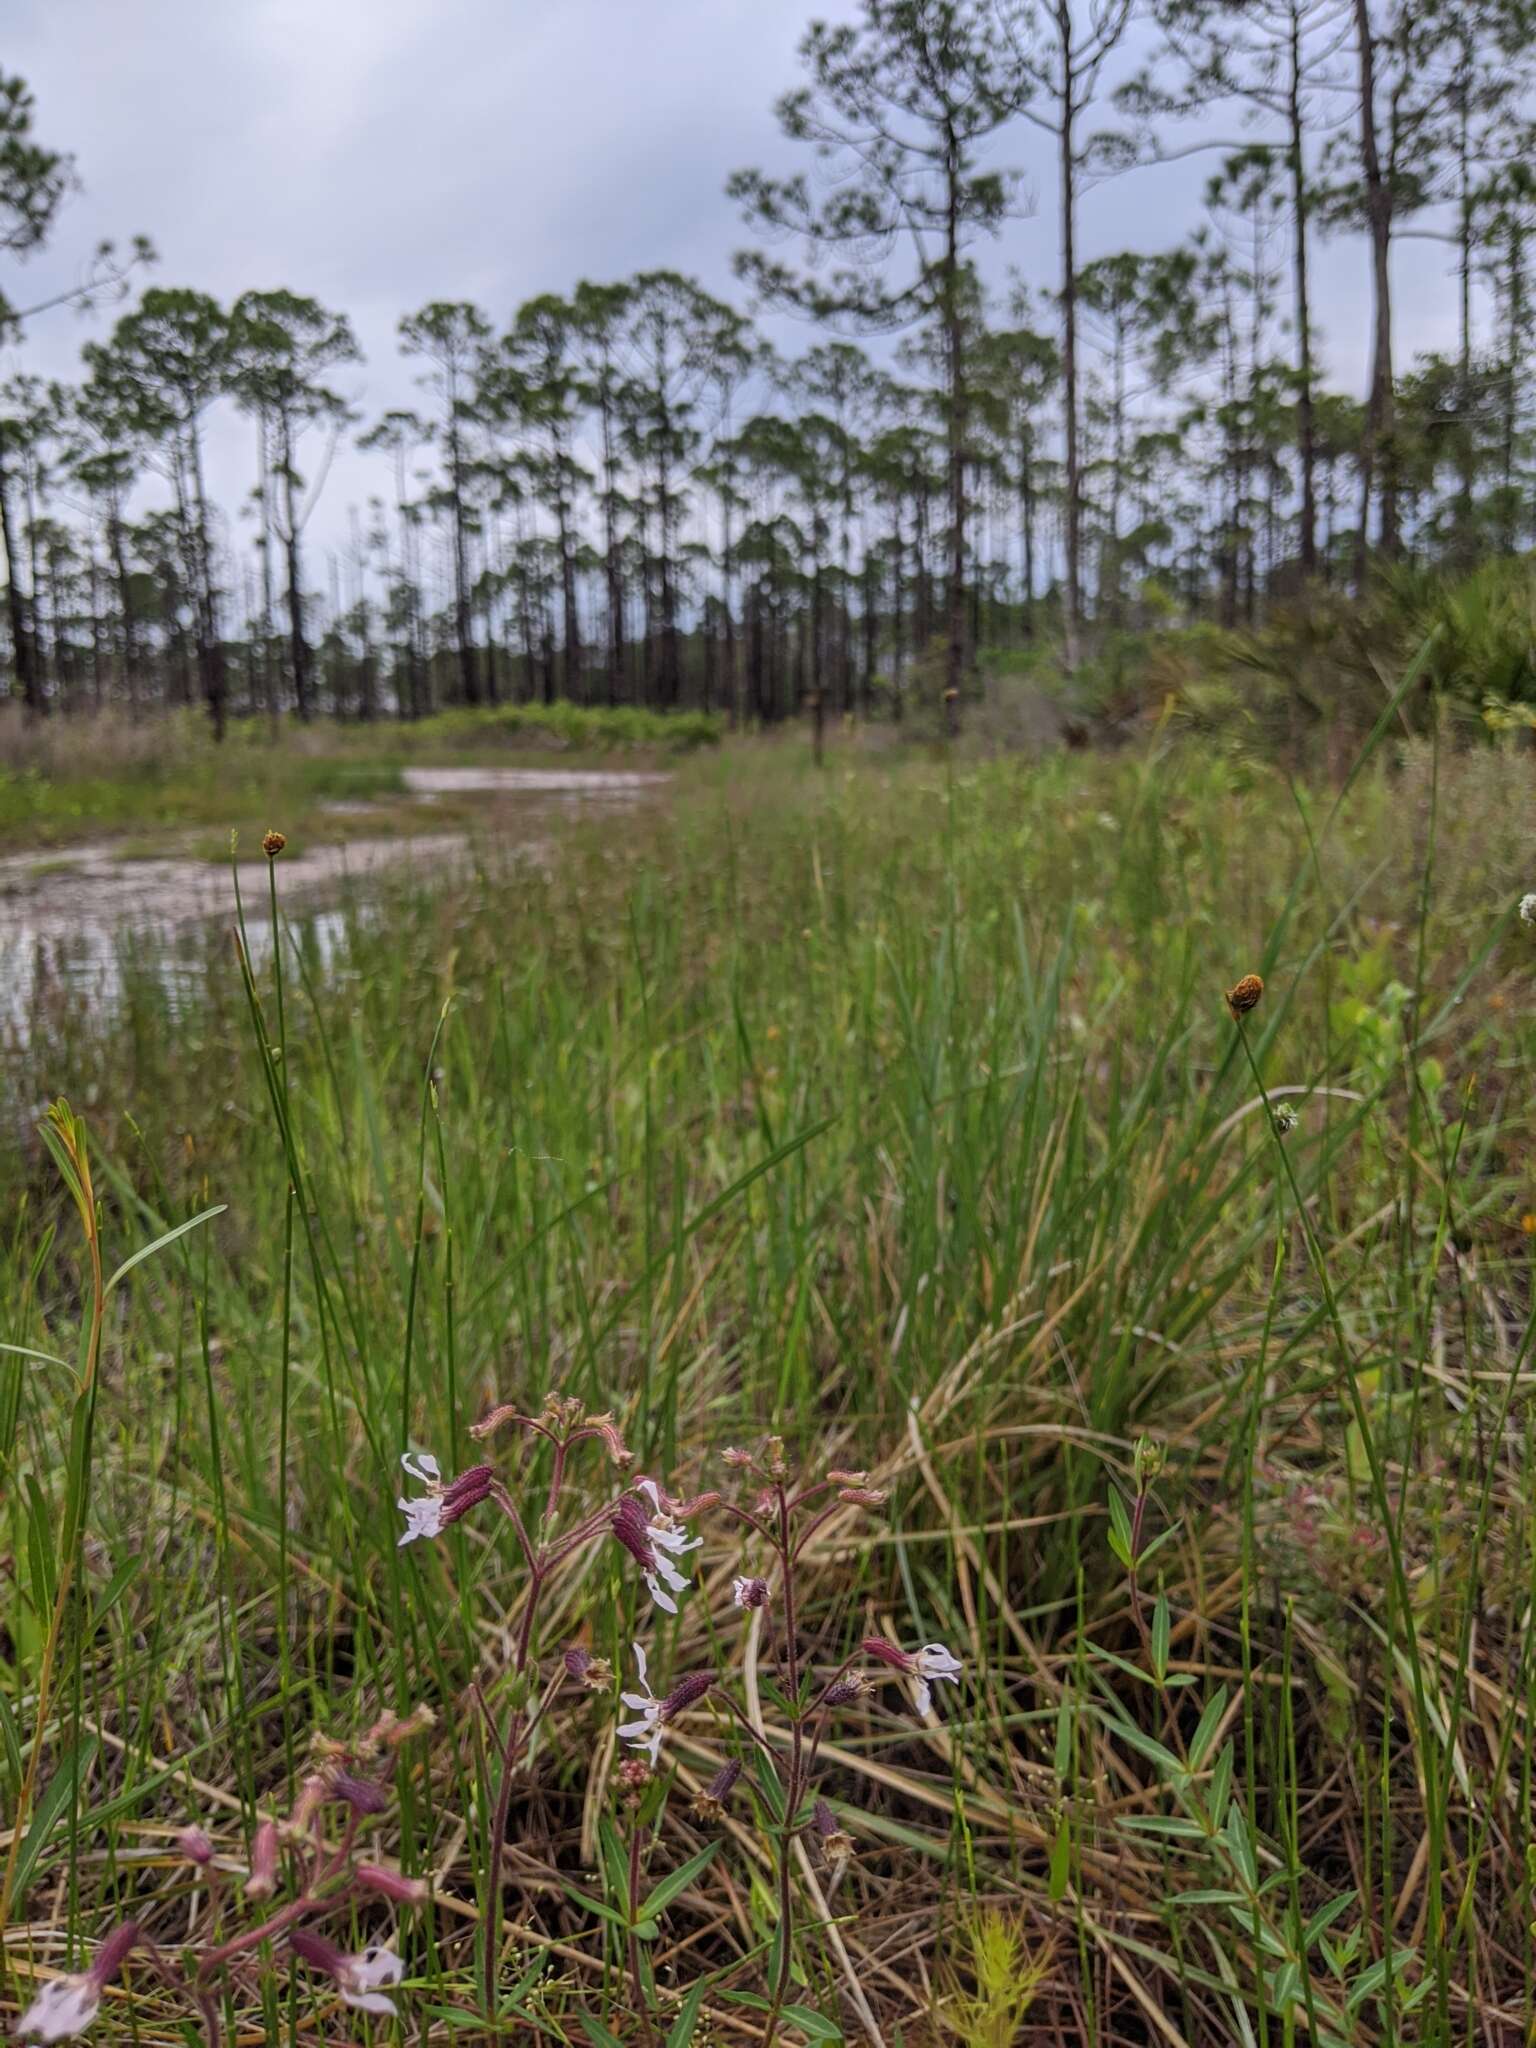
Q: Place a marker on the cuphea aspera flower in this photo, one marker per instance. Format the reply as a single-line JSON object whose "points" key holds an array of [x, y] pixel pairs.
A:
{"points": [[360, 1978]]}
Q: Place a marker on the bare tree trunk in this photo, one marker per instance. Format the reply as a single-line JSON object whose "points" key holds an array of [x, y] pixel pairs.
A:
{"points": [[954, 345], [1376, 449], [18, 603], [303, 690], [1073, 593], [1306, 425]]}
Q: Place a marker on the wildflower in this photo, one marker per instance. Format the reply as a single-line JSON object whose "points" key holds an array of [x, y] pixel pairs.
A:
{"points": [[654, 1713], [1528, 908], [843, 1691], [1244, 995], [732, 1456], [1284, 1121], [836, 1843], [595, 1673], [273, 844], [67, 2005], [685, 1694], [195, 1846], [261, 1880], [863, 1496], [357, 1977], [926, 1665], [710, 1803], [359, 1793], [644, 1733], [389, 1884], [774, 1461], [313, 1793], [634, 1778], [440, 1504], [613, 1442], [749, 1592], [653, 1542]]}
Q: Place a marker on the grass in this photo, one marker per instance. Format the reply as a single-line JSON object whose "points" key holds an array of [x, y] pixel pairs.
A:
{"points": [[69, 780], [896, 1109]]}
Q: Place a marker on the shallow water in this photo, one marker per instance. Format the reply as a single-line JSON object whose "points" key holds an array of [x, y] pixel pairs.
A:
{"points": [[74, 919]]}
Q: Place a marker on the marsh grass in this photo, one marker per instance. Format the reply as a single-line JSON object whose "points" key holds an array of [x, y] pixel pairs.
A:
{"points": [[64, 780], [896, 1108]]}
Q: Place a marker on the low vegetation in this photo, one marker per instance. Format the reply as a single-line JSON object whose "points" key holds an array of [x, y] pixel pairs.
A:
{"points": [[895, 1112]]}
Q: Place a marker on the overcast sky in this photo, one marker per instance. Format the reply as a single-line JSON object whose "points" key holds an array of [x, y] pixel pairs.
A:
{"points": [[380, 153]]}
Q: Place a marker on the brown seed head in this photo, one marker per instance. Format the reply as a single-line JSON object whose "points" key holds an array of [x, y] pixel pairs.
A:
{"points": [[273, 844], [1244, 995]]}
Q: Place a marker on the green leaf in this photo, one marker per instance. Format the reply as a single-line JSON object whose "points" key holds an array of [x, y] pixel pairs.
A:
{"points": [[596, 2031], [1161, 1631], [811, 2024], [676, 1882], [688, 2016], [60, 1795], [1061, 1862], [1205, 1734], [148, 1251]]}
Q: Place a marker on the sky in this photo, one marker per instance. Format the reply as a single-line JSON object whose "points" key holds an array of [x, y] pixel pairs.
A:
{"points": [[377, 154]]}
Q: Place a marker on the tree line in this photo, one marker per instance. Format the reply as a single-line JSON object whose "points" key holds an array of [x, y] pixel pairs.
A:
{"points": [[627, 495]]}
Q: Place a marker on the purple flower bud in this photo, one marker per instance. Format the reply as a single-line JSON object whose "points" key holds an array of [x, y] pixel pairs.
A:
{"points": [[389, 1884], [114, 1952], [195, 1846], [315, 1950], [844, 1690], [686, 1693], [723, 1783], [466, 1492], [359, 1793], [887, 1653], [823, 1820], [631, 1525], [578, 1662]]}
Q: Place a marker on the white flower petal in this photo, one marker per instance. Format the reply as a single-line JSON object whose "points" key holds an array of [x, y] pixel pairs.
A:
{"points": [[377, 1964], [652, 1491], [663, 1600], [423, 1466], [642, 1727], [371, 2001], [639, 1650], [924, 1696], [60, 2010]]}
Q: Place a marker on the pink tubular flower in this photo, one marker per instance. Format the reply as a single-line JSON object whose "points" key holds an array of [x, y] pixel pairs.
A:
{"points": [[195, 1846], [926, 1665], [432, 1512], [361, 1794], [685, 1694], [653, 1541], [357, 1977], [389, 1884], [66, 2005], [261, 1880]]}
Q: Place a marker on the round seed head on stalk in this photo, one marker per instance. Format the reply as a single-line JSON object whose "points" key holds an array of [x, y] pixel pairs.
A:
{"points": [[1243, 995], [1284, 1120], [272, 844]]}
